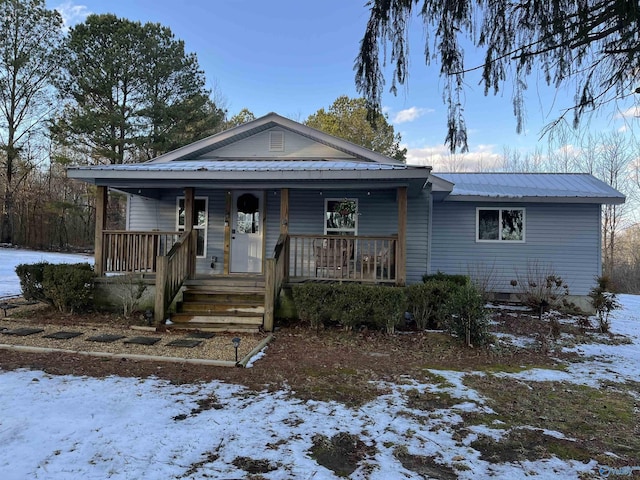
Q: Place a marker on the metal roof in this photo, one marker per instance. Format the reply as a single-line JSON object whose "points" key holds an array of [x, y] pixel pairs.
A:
{"points": [[256, 173], [550, 187], [245, 166]]}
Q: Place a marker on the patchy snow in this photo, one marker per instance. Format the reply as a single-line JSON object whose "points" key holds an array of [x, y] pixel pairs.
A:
{"points": [[515, 340], [10, 258], [61, 427]]}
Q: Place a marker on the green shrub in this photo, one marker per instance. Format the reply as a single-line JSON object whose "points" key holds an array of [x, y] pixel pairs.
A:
{"points": [[313, 302], [426, 302], [445, 277], [31, 275], [389, 308], [69, 286], [467, 316], [350, 304]]}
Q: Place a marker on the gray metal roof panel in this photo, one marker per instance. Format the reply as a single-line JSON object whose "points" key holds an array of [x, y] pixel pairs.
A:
{"points": [[520, 186], [245, 166]]}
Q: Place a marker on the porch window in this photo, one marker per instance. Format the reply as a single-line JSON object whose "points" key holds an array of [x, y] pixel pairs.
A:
{"points": [[341, 216], [199, 222], [500, 224]]}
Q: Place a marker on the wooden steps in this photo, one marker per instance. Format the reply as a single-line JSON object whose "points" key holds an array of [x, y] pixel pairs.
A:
{"points": [[226, 304]]}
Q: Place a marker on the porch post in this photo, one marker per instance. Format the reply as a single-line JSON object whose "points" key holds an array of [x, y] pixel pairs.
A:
{"points": [[284, 211], [401, 261], [227, 233], [284, 228], [189, 205], [101, 223]]}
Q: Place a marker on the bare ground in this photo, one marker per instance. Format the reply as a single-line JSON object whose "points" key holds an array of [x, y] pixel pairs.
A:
{"points": [[311, 363]]}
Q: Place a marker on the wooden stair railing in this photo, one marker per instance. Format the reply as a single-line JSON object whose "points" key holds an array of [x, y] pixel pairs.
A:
{"points": [[276, 273], [171, 272]]}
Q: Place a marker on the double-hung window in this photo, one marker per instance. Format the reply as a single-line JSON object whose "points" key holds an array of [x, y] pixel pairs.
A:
{"points": [[341, 216], [500, 224]]}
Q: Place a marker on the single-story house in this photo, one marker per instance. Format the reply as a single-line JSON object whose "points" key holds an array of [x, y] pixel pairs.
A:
{"points": [[225, 222]]}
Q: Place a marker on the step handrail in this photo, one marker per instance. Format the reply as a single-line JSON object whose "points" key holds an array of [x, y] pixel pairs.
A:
{"points": [[172, 270], [276, 274]]}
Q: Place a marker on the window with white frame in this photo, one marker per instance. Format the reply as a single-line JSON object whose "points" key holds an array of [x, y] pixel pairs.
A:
{"points": [[500, 225], [199, 222], [341, 216]]}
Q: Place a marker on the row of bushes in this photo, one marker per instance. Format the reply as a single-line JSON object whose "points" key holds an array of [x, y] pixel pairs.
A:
{"points": [[443, 303], [68, 287]]}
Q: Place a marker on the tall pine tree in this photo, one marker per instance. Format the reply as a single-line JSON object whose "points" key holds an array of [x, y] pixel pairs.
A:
{"points": [[131, 92]]}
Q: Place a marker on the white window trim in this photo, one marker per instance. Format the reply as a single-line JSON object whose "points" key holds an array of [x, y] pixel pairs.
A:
{"points": [[351, 231], [204, 227], [500, 240]]}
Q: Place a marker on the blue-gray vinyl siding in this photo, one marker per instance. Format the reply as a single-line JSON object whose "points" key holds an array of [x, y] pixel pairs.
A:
{"points": [[417, 248], [563, 238], [147, 214], [378, 216]]}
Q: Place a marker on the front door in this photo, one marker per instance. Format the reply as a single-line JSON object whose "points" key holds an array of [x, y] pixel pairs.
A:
{"points": [[246, 232]]}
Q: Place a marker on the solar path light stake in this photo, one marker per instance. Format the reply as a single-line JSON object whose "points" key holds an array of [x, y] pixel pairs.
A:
{"points": [[236, 344]]}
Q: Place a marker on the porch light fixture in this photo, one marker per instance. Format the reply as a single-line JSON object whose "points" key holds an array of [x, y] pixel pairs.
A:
{"points": [[236, 344]]}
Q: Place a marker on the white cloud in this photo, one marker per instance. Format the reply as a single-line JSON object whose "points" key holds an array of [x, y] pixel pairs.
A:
{"points": [[410, 114], [631, 112], [72, 14], [482, 158]]}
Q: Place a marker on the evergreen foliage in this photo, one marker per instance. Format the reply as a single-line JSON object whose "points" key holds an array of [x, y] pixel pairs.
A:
{"points": [[348, 119], [591, 44]]}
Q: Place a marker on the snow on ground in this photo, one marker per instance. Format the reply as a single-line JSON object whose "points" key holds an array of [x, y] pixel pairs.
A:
{"points": [[61, 427], [10, 258], [609, 362], [121, 428]]}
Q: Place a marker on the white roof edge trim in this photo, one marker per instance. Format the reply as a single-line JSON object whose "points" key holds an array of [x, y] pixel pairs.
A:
{"points": [[195, 175], [439, 184], [540, 199]]}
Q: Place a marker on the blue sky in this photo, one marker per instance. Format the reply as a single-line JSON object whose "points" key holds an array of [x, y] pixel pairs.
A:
{"points": [[294, 57]]}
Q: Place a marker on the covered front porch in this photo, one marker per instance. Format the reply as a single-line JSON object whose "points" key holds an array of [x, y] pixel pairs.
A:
{"points": [[190, 258]]}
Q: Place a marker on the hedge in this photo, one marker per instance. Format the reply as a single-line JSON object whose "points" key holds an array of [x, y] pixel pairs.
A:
{"points": [[68, 287], [351, 305]]}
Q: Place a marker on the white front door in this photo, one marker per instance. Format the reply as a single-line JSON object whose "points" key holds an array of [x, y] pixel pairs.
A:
{"points": [[246, 232]]}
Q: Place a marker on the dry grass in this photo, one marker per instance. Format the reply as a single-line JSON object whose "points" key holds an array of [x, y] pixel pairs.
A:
{"points": [[598, 420]]}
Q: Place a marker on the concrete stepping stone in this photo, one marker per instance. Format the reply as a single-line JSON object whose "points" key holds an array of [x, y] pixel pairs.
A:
{"points": [[63, 335], [105, 338], [23, 332], [203, 335], [184, 342], [143, 340]]}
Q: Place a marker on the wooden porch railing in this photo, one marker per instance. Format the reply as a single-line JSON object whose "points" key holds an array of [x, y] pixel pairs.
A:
{"points": [[276, 273], [171, 271], [133, 251], [344, 258]]}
